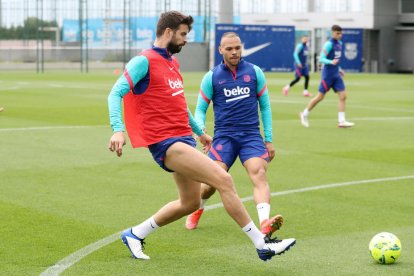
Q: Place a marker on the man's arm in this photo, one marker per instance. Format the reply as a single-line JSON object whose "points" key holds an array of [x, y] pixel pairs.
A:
{"points": [[203, 137], [195, 127], [264, 104], [327, 47], [296, 54], [135, 70], [204, 97]]}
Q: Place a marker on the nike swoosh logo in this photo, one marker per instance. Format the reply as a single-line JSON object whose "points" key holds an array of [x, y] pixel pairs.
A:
{"points": [[152, 226], [252, 50], [249, 230], [237, 98], [171, 68], [178, 92]]}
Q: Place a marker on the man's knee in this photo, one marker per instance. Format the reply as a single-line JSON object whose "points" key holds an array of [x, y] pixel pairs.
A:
{"points": [[207, 191], [190, 206], [225, 182], [342, 95]]}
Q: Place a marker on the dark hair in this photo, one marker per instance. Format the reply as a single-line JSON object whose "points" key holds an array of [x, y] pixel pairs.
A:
{"points": [[172, 20], [336, 28]]}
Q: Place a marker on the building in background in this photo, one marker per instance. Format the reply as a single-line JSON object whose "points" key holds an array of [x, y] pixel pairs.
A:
{"points": [[388, 26], [114, 30]]}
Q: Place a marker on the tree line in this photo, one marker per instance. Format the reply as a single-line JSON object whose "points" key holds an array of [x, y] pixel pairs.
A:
{"points": [[31, 29]]}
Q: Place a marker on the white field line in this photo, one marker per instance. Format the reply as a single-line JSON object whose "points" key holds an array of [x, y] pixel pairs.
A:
{"points": [[75, 257], [99, 126], [48, 128]]}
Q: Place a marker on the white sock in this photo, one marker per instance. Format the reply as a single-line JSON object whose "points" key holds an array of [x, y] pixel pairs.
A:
{"points": [[144, 229], [254, 234], [341, 116], [203, 203], [263, 209], [306, 112], [305, 91]]}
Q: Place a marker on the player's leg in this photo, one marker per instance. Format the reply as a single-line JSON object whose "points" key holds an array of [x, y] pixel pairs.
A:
{"points": [[223, 152], [188, 201], [312, 103], [256, 168], [339, 87], [342, 122], [254, 156], [206, 192], [298, 75], [192, 164], [306, 85], [323, 89], [189, 191]]}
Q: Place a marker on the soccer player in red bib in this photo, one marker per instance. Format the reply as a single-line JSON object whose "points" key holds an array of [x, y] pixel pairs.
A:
{"points": [[237, 89], [157, 117]]}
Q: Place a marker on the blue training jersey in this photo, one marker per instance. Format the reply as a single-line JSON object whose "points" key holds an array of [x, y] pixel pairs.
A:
{"points": [[332, 49], [236, 98], [301, 54]]}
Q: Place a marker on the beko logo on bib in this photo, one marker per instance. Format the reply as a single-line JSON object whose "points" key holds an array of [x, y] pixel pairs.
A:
{"points": [[175, 84], [236, 91]]}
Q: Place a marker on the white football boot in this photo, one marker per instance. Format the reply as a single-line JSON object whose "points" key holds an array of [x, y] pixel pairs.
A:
{"points": [[345, 124], [304, 119], [134, 244]]}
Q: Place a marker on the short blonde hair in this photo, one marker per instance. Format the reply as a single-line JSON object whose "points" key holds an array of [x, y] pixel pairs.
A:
{"points": [[229, 34]]}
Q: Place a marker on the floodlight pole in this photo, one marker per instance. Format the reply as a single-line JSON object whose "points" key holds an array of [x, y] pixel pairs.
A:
{"points": [[127, 32], [40, 68], [83, 35]]}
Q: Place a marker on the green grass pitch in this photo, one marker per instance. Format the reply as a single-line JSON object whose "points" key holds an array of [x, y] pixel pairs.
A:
{"points": [[61, 190]]}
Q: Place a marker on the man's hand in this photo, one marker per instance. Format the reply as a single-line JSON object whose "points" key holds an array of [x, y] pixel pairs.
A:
{"points": [[116, 142], [335, 61], [271, 150], [300, 65], [206, 140]]}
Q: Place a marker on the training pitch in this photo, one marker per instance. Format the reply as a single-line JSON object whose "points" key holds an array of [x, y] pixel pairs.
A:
{"points": [[64, 197]]}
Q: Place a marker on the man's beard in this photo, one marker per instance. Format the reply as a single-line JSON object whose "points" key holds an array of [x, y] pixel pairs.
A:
{"points": [[174, 48]]}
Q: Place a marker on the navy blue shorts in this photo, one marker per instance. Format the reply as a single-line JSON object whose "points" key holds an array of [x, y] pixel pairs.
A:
{"points": [[336, 83], [159, 150], [227, 146], [300, 72]]}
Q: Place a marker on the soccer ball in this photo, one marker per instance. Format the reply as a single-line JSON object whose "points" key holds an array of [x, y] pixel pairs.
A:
{"points": [[385, 248]]}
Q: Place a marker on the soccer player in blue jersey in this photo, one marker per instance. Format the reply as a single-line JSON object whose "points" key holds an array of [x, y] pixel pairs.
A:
{"points": [[301, 67], [331, 77], [237, 88]]}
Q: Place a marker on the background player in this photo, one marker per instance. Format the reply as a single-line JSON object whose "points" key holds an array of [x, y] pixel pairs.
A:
{"points": [[331, 77], [301, 66], [236, 88]]}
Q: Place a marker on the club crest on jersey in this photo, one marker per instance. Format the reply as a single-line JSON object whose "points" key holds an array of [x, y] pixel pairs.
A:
{"points": [[246, 78]]}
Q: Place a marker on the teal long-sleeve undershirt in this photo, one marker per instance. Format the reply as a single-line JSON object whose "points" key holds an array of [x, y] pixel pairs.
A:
{"points": [[137, 69]]}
